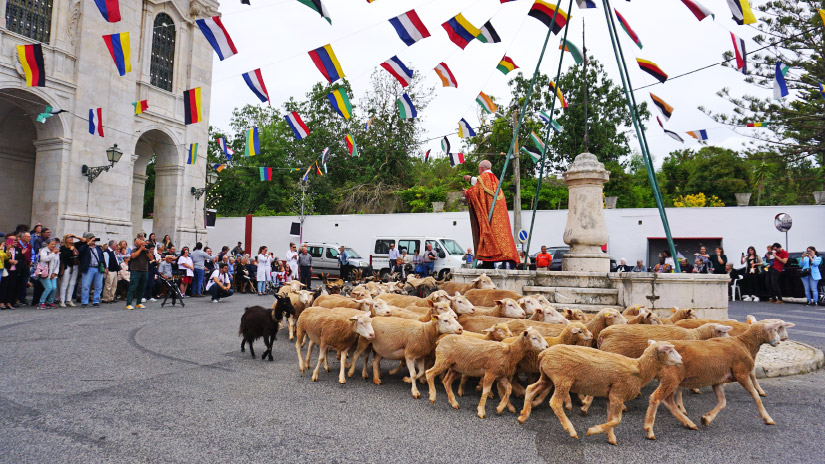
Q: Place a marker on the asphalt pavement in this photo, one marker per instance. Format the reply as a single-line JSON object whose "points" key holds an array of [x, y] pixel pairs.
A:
{"points": [[809, 320], [171, 385]]}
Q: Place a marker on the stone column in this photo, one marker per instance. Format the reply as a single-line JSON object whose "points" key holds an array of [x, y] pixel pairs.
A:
{"points": [[138, 192], [586, 231]]}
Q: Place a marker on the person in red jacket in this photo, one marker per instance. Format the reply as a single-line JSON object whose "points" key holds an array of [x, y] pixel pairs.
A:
{"points": [[779, 257]]}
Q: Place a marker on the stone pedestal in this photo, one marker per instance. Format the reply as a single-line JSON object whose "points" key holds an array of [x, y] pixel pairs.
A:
{"points": [[819, 197], [743, 199], [586, 231]]}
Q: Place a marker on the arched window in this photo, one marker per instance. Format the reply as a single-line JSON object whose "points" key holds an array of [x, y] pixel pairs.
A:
{"points": [[163, 52], [32, 18]]}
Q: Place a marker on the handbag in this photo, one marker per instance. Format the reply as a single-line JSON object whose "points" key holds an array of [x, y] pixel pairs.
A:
{"points": [[42, 270], [805, 272]]}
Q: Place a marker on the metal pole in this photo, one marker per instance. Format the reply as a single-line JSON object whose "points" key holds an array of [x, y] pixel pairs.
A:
{"points": [[517, 184]]}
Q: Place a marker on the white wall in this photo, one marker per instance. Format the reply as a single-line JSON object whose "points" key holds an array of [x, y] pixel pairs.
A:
{"points": [[739, 227]]}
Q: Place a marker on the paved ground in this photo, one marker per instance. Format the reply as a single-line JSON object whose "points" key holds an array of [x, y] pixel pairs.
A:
{"points": [[170, 385], [809, 320]]}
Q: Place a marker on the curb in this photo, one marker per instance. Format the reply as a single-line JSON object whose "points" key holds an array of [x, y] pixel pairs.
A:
{"points": [[813, 360]]}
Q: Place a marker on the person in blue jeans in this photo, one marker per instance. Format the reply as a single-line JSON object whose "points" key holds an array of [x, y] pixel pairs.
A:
{"points": [[811, 260], [91, 258], [199, 258], [50, 259]]}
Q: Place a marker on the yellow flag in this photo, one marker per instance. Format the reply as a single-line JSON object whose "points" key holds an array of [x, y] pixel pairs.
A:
{"points": [[822, 14]]}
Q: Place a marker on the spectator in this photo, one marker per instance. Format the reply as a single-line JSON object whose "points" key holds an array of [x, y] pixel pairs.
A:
{"points": [[35, 232], [24, 259], [468, 258], [811, 275], [418, 261], [732, 277], [669, 259], [185, 264], [238, 250], [392, 257], [623, 266], [123, 274], [750, 282], [8, 283], [778, 257], [766, 260], [639, 267], [138, 273], [343, 263], [41, 240], [167, 241], [165, 267], [92, 267], [401, 269], [524, 261], [685, 266], [69, 270], [428, 261], [718, 261], [199, 258], [209, 263], [264, 261], [292, 260], [662, 267], [253, 274], [703, 253], [218, 285], [304, 267], [48, 268], [544, 259], [112, 268], [224, 252], [281, 275], [3, 257], [699, 266]]}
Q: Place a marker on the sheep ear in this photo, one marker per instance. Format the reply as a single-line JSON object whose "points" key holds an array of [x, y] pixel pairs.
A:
{"points": [[650, 342], [773, 325], [725, 328], [499, 302], [488, 330], [457, 294], [788, 325], [355, 318], [525, 333], [664, 348], [430, 302], [750, 319]]}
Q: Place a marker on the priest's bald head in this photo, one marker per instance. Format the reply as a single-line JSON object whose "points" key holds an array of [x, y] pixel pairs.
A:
{"points": [[484, 165]]}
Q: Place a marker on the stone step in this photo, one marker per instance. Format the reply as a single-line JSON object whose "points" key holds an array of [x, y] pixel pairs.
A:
{"points": [[572, 279], [576, 295], [587, 308]]}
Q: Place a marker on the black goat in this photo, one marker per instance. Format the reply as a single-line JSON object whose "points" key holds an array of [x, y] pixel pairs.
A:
{"points": [[258, 322]]}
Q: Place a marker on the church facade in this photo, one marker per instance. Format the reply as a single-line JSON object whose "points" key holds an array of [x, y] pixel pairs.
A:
{"points": [[41, 164]]}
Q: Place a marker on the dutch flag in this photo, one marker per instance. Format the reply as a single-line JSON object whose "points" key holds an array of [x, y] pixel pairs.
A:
{"points": [[96, 121], [255, 81], [398, 70], [297, 125], [409, 27], [217, 36]]}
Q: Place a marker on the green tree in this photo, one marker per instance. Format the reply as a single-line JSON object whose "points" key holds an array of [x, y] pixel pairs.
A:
{"points": [[712, 171]]}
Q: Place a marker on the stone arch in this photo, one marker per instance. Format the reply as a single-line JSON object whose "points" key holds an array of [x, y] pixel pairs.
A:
{"points": [[31, 156], [158, 146]]}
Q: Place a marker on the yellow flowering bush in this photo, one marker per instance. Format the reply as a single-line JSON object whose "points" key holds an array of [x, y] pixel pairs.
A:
{"points": [[698, 200]]}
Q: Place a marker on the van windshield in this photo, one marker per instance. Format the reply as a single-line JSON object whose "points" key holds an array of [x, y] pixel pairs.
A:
{"points": [[452, 246]]}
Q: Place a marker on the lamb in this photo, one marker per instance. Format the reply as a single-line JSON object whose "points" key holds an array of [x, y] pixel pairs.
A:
{"points": [[575, 315], [644, 317], [712, 362], [530, 303], [482, 281], [588, 371], [291, 286], [405, 339], [548, 314], [633, 310], [493, 361], [257, 322], [679, 314], [737, 327], [631, 340], [506, 307], [331, 329], [488, 297], [604, 318]]}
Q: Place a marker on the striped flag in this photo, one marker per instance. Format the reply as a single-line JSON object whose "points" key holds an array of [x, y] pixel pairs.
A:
{"points": [[218, 167], [255, 81], [544, 12], [652, 69], [96, 121], [741, 11], [253, 144], [297, 125], [759, 124], [306, 174], [319, 8], [537, 140], [266, 174], [192, 106], [193, 153], [427, 155], [506, 65], [488, 34], [140, 106], [698, 10], [110, 9], [559, 95], [446, 76], [740, 54], [667, 110], [486, 103], [326, 62], [574, 51], [586, 3], [701, 134], [318, 170], [464, 129], [31, 59], [406, 110], [780, 87], [227, 152], [670, 134], [398, 70], [325, 155], [533, 155], [217, 36], [369, 123], [821, 89], [351, 146], [120, 50], [456, 158], [630, 32], [544, 116], [50, 111], [409, 27], [445, 145], [460, 31], [339, 100]]}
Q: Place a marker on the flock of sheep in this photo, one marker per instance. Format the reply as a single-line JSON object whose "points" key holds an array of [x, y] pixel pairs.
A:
{"points": [[500, 337]]}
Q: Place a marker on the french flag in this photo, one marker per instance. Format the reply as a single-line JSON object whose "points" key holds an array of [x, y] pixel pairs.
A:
{"points": [[398, 70], [217, 36], [409, 27], [456, 158], [297, 125], [228, 152], [255, 81], [96, 121]]}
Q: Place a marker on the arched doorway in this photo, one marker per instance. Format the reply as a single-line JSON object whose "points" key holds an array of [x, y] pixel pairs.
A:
{"points": [[30, 160], [156, 148]]}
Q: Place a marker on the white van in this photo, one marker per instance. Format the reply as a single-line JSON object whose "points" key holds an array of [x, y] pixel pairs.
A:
{"points": [[450, 253], [325, 259]]}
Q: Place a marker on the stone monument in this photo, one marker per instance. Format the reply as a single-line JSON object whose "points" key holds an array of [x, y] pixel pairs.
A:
{"points": [[586, 231]]}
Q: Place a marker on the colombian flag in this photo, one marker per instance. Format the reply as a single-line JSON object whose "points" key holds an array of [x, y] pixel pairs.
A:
{"points": [[192, 106], [461, 31], [31, 58], [118, 45]]}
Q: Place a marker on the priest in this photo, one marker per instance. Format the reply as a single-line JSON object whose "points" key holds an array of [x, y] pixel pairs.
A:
{"points": [[493, 239]]}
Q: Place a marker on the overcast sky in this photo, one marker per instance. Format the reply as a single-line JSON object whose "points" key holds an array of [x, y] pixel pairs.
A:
{"points": [[275, 35]]}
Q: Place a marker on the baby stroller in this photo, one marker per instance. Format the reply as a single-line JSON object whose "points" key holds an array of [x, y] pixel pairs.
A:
{"points": [[172, 289]]}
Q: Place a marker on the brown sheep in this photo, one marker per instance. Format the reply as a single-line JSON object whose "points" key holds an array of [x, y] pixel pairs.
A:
{"points": [[712, 362], [506, 307], [300, 300], [588, 371], [631, 340], [482, 281], [678, 315], [336, 301], [575, 315], [634, 310], [644, 317], [488, 297], [402, 301]]}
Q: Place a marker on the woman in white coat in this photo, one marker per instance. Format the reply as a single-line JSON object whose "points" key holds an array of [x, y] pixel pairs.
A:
{"points": [[292, 260], [264, 267]]}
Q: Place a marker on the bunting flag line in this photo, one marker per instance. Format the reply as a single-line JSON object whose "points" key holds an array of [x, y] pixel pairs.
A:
{"points": [[544, 11], [700, 135], [698, 10], [427, 156], [318, 7], [652, 69], [218, 167], [556, 126], [266, 173], [780, 87], [464, 129], [559, 95], [318, 170], [351, 146], [140, 106], [406, 110], [506, 65], [630, 32], [740, 53], [445, 145], [31, 58], [671, 134], [488, 34], [409, 27], [446, 76], [227, 152], [255, 81], [49, 112], [326, 62], [253, 144], [574, 51], [486, 103], [741, 11], [297, 125], [217, 36], [340, 102], [369, 123], [759, 124], [533, 155], [96, 121], [120, 49], [306, 174], [456, 158], [545, 118], [667, 110], [584, 4], [192, 106], [193, 153], [110, 9], [398, 70], [460, 31], [537, 140]]}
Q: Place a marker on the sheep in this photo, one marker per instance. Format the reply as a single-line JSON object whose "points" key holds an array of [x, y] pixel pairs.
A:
{"points": [[633, 310], [291, 286], [482, 281], [402, 301], [488, 297], [434, 308], [331, 329], [479, 323], [588, 371], [506, 307], [405, 339], [420, 287], [644, 317], [678, 315], [493, 361], [257, 322], [300, 300], [631, 340], [712, 362], [549, 315], [575, 315]]}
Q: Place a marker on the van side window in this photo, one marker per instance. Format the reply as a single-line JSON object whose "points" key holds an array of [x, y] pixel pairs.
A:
{"points": [[410, 245], [436, 247], [315, 251], [382, 246], [332, 253]]}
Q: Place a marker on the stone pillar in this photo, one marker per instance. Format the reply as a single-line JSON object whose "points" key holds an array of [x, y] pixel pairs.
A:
{"points": [[586, 231], [138, 192]]}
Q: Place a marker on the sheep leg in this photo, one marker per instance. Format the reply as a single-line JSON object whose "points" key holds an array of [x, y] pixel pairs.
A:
{"points": [[397, 369], [420, 367], [542, 385], [504, 384], [719, 390], [359, 350], [322, 354], [487, 382], [614, 417], [461, 384], [696, 391], [290, 324], [745, 380], [430, 376], [326, 364], [310, 346], [556, 403], [586, 402], [447, 381], [756, 383], [664, 394], [341, 377], [677, 397], [376, 369], [243, 342], [539, 398], [251, 350], [269, 346], [300, 356], [518, 388], [364, 374], [671, 406], [413, 383]]}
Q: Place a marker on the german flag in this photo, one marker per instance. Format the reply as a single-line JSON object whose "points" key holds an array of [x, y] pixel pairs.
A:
{"points": [[544, 12], [192, 106], [667, 110], [31, 58], [652, 69]]}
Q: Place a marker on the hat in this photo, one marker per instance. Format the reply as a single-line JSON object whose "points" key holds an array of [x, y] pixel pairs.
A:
{"points": [[88, 235]]}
